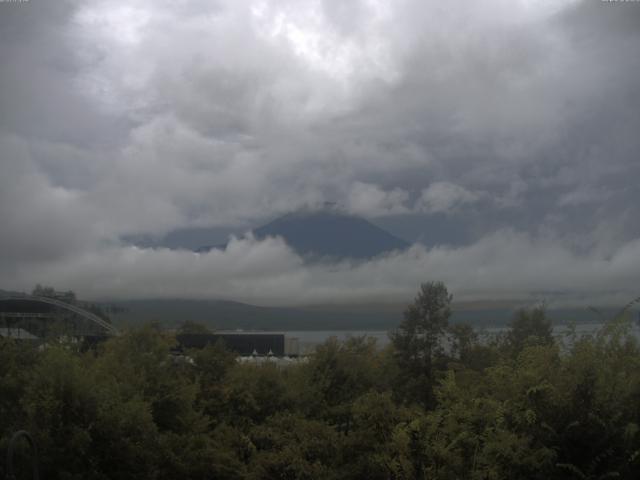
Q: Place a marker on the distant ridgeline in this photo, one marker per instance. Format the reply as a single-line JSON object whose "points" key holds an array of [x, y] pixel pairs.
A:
{"points": [[219, 314], [328, 233]]}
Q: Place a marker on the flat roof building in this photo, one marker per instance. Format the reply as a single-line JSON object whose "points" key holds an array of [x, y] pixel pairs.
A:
{"points": [[243, 343]]}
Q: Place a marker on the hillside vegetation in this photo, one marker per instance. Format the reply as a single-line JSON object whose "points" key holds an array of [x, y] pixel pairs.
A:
{"points": [[526, 405]]}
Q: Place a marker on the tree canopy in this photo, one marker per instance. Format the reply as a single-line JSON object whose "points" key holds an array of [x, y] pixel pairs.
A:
{"points": [[437, 403]]}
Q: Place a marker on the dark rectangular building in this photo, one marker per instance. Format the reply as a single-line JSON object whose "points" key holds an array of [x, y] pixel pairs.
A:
{"points": [[244, 344]]}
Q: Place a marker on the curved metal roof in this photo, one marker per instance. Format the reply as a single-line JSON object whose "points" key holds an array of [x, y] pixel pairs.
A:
{"points": [[67, 306]]}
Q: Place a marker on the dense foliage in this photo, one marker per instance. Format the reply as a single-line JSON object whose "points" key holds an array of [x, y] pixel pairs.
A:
{"points": [[523, 405]]}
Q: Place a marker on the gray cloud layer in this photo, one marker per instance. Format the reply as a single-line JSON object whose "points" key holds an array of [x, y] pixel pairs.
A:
{"points": [[515, 122]]}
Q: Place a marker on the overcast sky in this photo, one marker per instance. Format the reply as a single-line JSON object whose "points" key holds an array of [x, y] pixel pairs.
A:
{"points": [[503, 136]]}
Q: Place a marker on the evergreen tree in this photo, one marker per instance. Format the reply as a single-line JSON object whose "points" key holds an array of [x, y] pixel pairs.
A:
{"points": [[417, 342], [530, 327]]}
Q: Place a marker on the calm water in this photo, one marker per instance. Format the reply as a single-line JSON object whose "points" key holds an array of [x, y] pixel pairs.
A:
{"points": [[309, 339]]}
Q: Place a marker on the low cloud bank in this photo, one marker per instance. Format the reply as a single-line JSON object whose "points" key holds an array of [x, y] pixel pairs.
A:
{"points": [[506, 265], [140, 118]]}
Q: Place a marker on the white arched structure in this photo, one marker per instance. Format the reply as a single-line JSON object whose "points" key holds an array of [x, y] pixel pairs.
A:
{"points": [[110, 329]]}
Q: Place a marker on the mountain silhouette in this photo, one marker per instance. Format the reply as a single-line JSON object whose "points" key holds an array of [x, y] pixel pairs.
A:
{"points": [[329, 233]]}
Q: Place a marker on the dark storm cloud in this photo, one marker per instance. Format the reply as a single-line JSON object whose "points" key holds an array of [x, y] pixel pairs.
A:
{"points": [[142, 117]]}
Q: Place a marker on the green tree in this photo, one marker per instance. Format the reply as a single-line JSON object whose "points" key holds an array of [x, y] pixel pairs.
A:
{"points": [[212, 366], [369, 448], [189, 326], [529, 327], [43, 291], [254, 393], [417, 342], [338, 373], [83, 425], [463, 338], [291, 447]]}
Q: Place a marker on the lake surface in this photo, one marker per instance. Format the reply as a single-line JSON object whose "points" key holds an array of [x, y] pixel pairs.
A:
{"points": [[310, 338]]}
